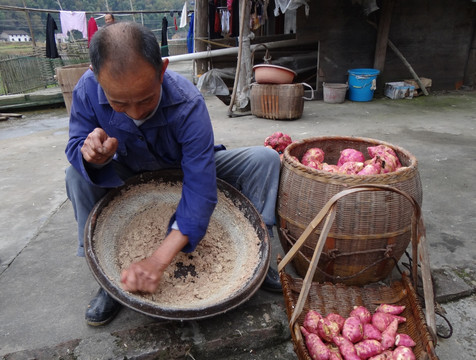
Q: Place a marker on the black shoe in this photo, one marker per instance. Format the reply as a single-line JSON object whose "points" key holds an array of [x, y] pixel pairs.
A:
{"points": [[102, 309], [271, 281]]}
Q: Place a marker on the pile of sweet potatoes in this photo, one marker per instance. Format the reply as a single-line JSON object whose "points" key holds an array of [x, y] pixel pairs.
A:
{"points": [[278, 141], [383, 160], [362, 335]]}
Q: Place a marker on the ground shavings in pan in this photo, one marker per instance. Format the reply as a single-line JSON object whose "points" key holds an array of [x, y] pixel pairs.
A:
{"points": [[221, 265]]}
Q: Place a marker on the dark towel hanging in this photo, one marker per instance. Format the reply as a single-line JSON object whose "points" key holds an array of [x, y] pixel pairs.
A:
{"points": [[165, 24], [51, 49]]}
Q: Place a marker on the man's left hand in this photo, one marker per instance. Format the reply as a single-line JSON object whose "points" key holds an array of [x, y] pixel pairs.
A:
{"points": [[143, 276]]}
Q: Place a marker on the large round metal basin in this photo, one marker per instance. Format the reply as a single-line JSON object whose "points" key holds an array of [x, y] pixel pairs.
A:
{"points": [[114, 220]]}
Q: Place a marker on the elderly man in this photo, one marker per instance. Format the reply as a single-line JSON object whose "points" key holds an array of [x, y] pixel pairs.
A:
{"points": [[109, 19], [130, 115]]}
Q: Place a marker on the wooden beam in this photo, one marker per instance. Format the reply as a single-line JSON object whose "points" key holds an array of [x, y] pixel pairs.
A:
{"points": [[27, 14], [470, 68], [201, 32], [405, 62], [409, 67], [382, 34]]}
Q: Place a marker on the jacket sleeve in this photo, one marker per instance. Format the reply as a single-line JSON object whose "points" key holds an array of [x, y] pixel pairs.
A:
{"points": [[199, 191], [83, 120]]}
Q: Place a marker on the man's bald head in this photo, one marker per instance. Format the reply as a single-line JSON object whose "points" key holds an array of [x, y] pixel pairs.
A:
{"points": [[120, 45]]}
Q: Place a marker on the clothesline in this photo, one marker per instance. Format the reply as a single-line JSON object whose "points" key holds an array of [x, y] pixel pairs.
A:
{"points": [[18, 8]]}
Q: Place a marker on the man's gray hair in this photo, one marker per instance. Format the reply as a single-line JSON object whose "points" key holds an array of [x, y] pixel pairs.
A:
{"points": [[120, 44]]}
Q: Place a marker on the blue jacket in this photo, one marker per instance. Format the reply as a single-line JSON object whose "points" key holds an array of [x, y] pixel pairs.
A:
{"points": [[179, 135]]}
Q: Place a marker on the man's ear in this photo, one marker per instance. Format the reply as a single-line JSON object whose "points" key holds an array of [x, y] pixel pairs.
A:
{"points": [[91, 67], [165, 63]]}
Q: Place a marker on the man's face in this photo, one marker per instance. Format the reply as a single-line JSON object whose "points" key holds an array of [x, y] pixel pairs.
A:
{"points": [[108, 19], [136, 92]]}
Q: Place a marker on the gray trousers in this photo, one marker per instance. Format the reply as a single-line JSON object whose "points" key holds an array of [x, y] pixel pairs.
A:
{"points": [[252, 170]]}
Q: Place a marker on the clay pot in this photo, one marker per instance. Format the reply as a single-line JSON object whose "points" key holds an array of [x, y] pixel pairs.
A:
{"points": [[273, 74]]}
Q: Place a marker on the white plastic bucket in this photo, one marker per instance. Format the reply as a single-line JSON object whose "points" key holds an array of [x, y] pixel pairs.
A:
{"points": [[334, 93]]}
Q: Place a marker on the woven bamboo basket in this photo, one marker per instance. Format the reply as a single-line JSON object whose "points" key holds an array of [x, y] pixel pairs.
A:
{"points": [[302, 295], [371, 230], [277, 101]]}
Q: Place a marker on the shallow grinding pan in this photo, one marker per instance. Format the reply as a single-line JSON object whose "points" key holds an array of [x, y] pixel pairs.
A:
{"points": [[117, 215]]}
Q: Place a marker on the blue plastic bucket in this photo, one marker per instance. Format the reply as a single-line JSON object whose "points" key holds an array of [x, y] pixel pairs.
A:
{"points": [[362, 83]]}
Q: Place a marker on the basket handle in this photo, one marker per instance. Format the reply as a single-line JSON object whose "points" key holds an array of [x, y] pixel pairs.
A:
{"points": [[312, 92], [418, 247]]}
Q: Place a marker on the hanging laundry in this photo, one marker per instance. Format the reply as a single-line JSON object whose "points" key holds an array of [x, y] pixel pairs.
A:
{"points": [[183, 19], [263, 11], [225, 22], [51, 49], [190, 35], [229, 6], [73, 20], [285, 5], [212, 33], [217, 22], [254, 17], [165, 24], [92, 28], [370, 6], [235, 18]]}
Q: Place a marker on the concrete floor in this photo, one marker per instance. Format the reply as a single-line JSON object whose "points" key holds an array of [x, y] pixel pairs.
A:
{"points": [[45, 288]]}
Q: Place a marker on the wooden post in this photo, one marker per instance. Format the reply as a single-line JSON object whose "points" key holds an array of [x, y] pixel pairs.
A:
{"points": [[243, 65], [409, 67], [29, 24], [132, 8], [405, 62], [201, 32], [244, 58], [382, 34], [470, 68]]}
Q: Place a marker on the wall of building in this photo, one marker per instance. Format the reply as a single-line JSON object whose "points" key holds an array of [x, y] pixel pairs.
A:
{"points": [[435, 36]]}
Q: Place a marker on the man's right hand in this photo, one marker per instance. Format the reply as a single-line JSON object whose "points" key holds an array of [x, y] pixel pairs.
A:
{"points": [[98, 147]]}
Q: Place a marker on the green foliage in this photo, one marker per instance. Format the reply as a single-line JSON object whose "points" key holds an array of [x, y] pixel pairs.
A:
{"points": [[17, 20]]}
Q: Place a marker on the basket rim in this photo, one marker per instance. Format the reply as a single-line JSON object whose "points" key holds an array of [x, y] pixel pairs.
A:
{"points": [[412, 167]]}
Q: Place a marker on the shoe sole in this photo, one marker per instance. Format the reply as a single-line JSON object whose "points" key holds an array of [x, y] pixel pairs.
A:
{"points": [[104, 322]]}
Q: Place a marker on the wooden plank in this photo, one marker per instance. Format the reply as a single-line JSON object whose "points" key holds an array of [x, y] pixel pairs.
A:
{"points": [[405, 62], [382, 34], [9, 115], [44, 97]]}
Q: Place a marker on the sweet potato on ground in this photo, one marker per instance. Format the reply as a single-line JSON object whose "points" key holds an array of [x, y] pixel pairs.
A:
{"points": [[404, 340], [353, 329], [390, 309], [337, 319], [317, 349], [382, 320], [311, 321], [403, 353], [362, 313], [371, 332], [368, 348], [389, 334], [346, 348], [327, 329]]}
